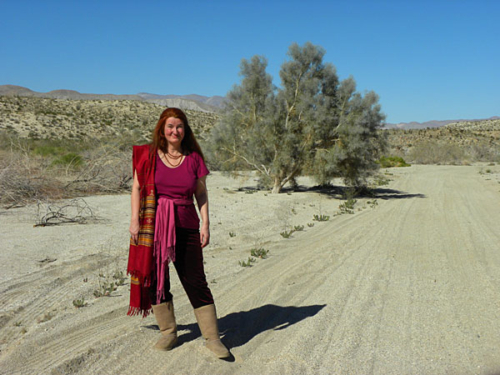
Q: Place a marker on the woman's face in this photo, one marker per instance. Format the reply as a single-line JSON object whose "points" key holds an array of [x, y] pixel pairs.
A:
{"points": [[174, 130]]}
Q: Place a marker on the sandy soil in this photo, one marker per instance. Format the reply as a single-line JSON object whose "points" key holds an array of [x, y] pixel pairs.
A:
{"points": [[410, 285]]}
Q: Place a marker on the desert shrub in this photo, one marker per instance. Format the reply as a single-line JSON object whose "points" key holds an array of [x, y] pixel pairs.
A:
{"points": [[259, 253], [392, 161], [78, 303], [484, 152], [32, 170], [247, 263], [48, 150], [74, 211], [287, 233], [381, 180], [104, 289], [24, 179], [321, 217], [432, 152], [68, 160], [347, 207], [313, 122]]}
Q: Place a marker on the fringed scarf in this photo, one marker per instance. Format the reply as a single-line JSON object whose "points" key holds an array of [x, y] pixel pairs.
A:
{"points": [[140, 261], [165, 239]]}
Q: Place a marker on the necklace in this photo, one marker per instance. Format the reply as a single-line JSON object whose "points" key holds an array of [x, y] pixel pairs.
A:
{"points": [[173, 157]]}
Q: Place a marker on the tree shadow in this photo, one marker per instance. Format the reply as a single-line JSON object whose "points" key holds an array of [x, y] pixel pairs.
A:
{"points": [[340, 192], [239, 328], [395, 194]]}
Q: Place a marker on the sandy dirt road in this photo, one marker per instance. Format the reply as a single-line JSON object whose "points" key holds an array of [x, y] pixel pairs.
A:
{"points": [[408, 286]]}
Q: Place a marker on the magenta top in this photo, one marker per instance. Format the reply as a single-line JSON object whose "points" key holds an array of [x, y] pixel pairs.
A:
{"points": [[180, 184]]}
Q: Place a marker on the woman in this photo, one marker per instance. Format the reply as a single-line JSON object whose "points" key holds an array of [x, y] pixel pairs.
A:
{"points": [[165, 228]]}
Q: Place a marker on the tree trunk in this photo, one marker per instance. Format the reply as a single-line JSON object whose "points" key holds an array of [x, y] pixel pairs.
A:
{"points": [[277, 185]]}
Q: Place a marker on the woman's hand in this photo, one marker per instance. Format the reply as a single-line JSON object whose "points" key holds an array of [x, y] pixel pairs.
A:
{"points": [[134, 230], [201, 195], [135, 200], [204, 236]]}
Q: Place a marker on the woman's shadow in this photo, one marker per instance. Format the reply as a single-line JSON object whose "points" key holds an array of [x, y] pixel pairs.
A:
{"points": [[240, 327]]}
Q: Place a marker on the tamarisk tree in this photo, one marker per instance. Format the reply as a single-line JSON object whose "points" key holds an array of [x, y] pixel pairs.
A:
{"points": [[313, 124]]}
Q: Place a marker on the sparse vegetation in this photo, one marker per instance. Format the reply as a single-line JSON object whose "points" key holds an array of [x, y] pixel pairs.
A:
{"points": [[104, 289], [247, 263], [347, 207], [287, 233], [88, 119], [75, 211], [78, 303], [259, 253], [232, 234], [119, 278], [459, 143], [321, 217], [108, 284], [381, 180]]}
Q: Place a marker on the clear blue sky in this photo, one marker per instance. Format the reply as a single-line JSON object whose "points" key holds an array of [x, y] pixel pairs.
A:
{"points": [[427, 59]]}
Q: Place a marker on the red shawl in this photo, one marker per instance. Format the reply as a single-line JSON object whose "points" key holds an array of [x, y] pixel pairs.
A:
{"points": [[140, 261]]}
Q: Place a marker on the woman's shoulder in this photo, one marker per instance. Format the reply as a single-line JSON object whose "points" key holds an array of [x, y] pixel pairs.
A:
{"points": [[140, 155], [194, 155], [142, 148]]}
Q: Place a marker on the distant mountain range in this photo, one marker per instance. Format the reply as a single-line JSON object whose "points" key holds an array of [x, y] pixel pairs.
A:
{"points": [[431, 124], [193, 102]]}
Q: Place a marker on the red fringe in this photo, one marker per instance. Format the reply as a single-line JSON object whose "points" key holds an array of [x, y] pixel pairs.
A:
{"points": [[132, 311]]}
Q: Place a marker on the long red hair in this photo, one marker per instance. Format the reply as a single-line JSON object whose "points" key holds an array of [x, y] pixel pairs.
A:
{"points": [[188, 144]]}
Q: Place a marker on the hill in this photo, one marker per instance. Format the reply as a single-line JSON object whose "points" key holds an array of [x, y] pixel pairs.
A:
{"points": [[431, 124], [31, 116], [455, 143], [192, 102]]}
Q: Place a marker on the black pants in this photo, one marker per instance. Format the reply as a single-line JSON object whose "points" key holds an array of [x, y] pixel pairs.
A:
{"points": [[189, 266]]}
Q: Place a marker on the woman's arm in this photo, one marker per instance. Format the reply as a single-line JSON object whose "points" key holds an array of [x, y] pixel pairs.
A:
{"points": [[135, 200], [201, 195]]}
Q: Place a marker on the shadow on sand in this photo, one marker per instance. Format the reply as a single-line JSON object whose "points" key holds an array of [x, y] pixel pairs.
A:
{"points": [[240, 327], [340, 192]]}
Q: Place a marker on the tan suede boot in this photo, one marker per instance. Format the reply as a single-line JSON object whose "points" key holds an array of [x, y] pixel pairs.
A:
{"points": [[207, 320], [164, 314]]}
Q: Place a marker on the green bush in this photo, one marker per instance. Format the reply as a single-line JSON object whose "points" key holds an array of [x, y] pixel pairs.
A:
{"points": [[321, 217], [347, 207], [392, 161], [69, 159], [287, 234], [48, 150], [248, 263], [259, 253]]}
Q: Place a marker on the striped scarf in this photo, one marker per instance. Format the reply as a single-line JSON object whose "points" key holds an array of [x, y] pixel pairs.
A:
{"points": [[140, 261]]}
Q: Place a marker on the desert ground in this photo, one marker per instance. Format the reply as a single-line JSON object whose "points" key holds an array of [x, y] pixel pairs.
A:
{"points": [[409, 284]]}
